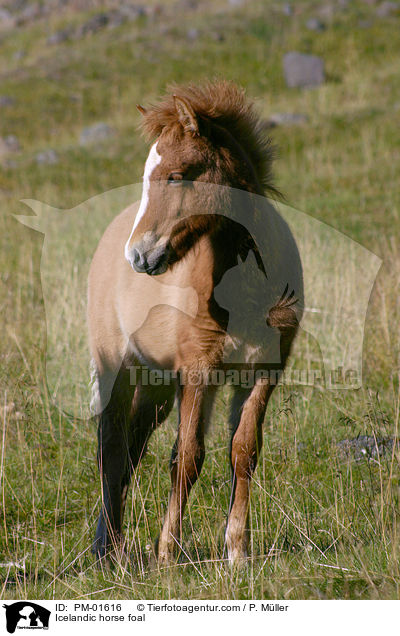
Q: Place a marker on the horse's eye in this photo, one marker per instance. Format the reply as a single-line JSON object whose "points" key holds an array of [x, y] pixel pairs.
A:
{"points": [[175, 178]]}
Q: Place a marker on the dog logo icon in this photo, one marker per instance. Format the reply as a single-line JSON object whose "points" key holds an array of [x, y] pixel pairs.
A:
{"points": [[26, 615]]}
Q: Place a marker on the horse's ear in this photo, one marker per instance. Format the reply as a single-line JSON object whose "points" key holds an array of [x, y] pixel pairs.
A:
{"points": [[141, 110], [186, 115]]}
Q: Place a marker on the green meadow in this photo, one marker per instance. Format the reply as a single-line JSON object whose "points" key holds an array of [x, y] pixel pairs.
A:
{"points": [[323, 524]]}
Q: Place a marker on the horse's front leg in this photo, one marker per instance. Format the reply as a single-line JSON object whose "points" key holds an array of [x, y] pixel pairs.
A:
{"points": [[186, 462], [113, 449], [114, 463], [248, 410]]}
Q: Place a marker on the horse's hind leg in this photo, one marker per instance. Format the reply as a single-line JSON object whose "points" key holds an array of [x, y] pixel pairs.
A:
{"points": [[247, 415], [186, 462], [150, 407]]}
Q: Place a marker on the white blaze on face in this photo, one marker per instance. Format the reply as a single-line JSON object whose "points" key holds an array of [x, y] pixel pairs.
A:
{"points": [[153, 160]]}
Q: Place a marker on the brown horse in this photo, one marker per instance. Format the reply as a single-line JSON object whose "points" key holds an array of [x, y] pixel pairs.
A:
{"points": [[204, 276]]}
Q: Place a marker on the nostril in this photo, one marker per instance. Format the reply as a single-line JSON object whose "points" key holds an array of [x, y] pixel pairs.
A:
{"points": [[136, 256], [138, 259]]}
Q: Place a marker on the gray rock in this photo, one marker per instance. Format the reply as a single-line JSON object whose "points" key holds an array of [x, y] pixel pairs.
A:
{"points": [[11, 164], [59, 36], [93, 25], [7, 20], [192, 34], [287, 119], [313, 24], [302, 70], [12, 143], [7, 100], [131, 12], [8, 144], [126, 13], [5, 15], [31, 12], [327, 11], [47, 157], [365, 447], [19, 55], [96, 133], [386, 9]]}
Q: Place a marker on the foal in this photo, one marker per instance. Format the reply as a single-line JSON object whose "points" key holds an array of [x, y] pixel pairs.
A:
{"points": [[157, 300]]}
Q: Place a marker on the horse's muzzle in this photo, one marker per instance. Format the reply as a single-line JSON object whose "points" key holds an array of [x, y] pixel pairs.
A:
{"points": [[149, 261]]}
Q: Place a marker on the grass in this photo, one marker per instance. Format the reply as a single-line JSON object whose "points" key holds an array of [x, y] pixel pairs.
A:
{"points": [[322, 526]]}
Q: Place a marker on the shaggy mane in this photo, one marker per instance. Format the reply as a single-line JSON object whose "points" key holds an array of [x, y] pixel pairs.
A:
{"points": [[226, 105]]}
